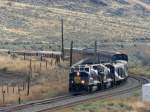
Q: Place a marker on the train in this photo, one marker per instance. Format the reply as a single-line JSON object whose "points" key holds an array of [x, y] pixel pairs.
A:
{"points": [[95, 73]]}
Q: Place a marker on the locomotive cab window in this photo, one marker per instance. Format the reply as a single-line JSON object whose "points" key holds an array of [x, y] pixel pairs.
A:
{"points": [[86, 69], [81, 69], [77, 69], [95, 67]]}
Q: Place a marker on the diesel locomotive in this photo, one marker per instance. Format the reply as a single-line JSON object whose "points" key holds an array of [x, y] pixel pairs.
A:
{"points": [[109, 69]]}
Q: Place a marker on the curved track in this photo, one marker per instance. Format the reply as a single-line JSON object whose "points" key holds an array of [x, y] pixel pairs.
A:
{"points": [[133, 83]]}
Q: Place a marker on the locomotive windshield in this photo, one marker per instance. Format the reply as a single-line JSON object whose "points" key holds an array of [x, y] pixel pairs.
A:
{"points": [[81, 74], [120, 57], [80, 69]]}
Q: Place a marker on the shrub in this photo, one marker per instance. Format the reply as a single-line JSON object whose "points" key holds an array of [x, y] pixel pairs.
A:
{"points": [[5, 69]]}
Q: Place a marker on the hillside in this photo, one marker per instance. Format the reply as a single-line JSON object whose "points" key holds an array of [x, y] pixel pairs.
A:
{"points": [[112, 7], [35, 24]]}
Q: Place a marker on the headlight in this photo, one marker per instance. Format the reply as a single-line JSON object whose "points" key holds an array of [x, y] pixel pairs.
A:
{"points": [[78, 73], [72, 82], [83, 82]]}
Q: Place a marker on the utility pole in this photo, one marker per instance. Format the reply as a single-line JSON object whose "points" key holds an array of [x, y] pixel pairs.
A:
{"points": [[62, 34], [71, 52], [95, 55]]}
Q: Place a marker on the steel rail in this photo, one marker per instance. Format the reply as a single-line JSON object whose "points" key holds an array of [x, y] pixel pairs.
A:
{"points": [[68, 100], [105, 95], [32, 103]]}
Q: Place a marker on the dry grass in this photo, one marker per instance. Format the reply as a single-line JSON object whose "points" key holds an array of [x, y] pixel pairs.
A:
{"points": [[17, 31], [111, 105], [45, 82], [139, 70], [12, 64]]}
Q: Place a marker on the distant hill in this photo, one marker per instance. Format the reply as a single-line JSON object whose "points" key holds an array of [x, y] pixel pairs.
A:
{"points": [[35, 24], [112, 7]]}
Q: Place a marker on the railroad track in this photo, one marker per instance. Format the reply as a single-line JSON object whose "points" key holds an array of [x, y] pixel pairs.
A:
{"points": [[133, 83]]}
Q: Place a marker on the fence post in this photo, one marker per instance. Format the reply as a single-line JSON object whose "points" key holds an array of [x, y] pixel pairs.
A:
{"points": [[41, 58], [46, 64], [28, 86], [30, 67], [24, 56], [19, 100], [3, 92], [13, 89], [40, 66]]}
